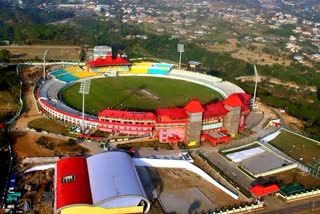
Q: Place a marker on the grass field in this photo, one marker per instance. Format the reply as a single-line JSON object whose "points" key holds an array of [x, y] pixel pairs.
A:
{"points": [[297, 147], [51, 126], [137, 93]]}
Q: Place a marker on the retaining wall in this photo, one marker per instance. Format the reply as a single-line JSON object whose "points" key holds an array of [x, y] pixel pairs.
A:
{"points": [[300, 196]]}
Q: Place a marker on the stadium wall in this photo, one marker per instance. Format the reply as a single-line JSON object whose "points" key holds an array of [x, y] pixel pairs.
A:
{"points": [[76, 120]]}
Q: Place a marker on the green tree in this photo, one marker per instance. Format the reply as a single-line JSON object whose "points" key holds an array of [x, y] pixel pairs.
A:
{"points": [[82, 56], [5, 55]]}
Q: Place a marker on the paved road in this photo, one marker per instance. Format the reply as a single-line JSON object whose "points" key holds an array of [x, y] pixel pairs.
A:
{"points": [[229, 168]]}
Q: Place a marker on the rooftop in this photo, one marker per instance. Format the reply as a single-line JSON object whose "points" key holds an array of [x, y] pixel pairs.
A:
{"points": [[194, 106], [215, 109], [109, 60], [171, 113]]}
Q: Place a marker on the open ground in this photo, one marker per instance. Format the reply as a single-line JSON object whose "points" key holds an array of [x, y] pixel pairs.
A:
{"points": [[55, 52], [181, 191], [252, 56], [295, 176], [300, 148], [24, 141], [7, 102], [128, 93]]}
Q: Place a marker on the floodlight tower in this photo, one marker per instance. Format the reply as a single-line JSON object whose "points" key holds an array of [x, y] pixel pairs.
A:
{"points": [[84, 89], [180, 48], [44, 64], [254, 105]]}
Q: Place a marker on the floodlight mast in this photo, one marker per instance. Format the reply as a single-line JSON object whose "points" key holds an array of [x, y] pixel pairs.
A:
{"points": [[255, 87], [84, 89], [44, 64], [180, 61], [180, 48]]}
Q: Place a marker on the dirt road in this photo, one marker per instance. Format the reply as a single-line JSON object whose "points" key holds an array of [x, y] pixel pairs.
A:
{"points": [[25, 141]]}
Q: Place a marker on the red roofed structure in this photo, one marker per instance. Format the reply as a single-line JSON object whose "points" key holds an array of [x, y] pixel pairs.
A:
{"points": [[101, 182], [214, 109], [238, 105], [72, 182], [260, 190], [215, 140], [171, 114], [194, 106], [108, 61], [171, 124], [239, 99]]}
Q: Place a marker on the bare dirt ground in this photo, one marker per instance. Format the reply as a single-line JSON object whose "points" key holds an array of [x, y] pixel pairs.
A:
{"points": [[25, 141], [55, 52], [7, 103], [255, 57], [296, 176], [173, 181]]}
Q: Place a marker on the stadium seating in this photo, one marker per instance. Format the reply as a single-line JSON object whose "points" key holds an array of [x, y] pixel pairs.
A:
{"points": [[158, 70], [67, 78], [73, 69], [139, 69], [150, 68], [227, 87], [58, 72], [110, 68], [84, 74]]}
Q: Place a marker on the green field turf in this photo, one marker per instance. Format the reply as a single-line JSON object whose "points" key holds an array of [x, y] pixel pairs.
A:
{"points": [[137, 93], [44, 124], [297, 147]]}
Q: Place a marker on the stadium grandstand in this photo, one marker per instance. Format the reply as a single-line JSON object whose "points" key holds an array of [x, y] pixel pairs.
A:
{"points": [[215, 122], [49, 100]]}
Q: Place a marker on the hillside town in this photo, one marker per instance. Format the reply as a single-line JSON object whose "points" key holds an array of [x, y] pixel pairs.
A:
{"points": [[298, 38]]}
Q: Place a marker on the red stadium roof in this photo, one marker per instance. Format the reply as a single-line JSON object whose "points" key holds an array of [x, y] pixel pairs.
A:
{"points": [[167, 114], [239, 99], [109, 61], [194, 106], [76, 191], [215, 109], [127, 114], [233, 100], [260, 190]]}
